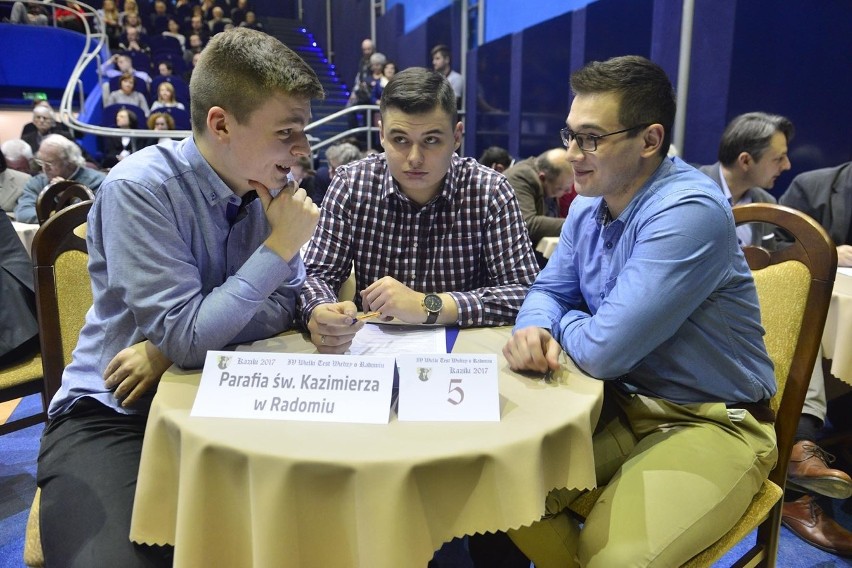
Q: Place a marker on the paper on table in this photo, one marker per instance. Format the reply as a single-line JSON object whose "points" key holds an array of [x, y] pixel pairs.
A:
{"points": [[844, 270], [378, 339]]}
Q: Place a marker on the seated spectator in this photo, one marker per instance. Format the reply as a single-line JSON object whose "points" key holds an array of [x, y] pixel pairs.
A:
{"points": [[251, 22], [388, 71], [127, 94], [59, 159], [173, 30], [538, 184], [434, 238], [166, 97], [70, 18], [116, 148], [159, 20], [135, 21], [18, 324], [31, 14], [193, 62], [160, 121], [131, 8], [18, 155], [12, 184], [238, 13], [195, 43], [496, 158], [218, 22], [165, 68], [197, 26], [110, 15], [120, 64], [43, 124], [132, 40], [303, 174], [336, 156]]}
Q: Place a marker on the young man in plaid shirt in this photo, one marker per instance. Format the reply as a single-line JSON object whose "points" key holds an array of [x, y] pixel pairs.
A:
{"points": [[434, 238]]}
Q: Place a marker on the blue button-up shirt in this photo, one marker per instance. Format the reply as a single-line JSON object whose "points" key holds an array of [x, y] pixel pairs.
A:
{"points": [[660, 299], [167, 265]]}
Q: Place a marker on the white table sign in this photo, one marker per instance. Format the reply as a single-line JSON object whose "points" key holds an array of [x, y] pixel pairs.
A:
{"points": [[291, 386], [448, 388]]}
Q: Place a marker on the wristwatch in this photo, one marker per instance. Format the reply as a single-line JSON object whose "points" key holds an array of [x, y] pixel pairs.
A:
{"points": [[432, 303]]}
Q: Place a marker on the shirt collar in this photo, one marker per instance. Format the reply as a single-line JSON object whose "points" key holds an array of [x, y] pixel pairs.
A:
{"points": [[215, 190]]}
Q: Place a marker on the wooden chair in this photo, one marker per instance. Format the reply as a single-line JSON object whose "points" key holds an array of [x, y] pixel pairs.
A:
{"points": [[63, 296], [60, 195], [794, 290], [20, 380]]}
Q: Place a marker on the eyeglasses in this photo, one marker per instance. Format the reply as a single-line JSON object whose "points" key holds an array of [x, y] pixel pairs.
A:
{"points": [[43, 164], [589, 142]]}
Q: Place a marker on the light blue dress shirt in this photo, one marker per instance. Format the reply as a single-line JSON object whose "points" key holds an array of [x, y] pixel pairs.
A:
{"points": [[660, 299], [166, 265]]}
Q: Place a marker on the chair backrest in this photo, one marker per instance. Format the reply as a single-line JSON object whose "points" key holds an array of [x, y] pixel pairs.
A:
{"points": [[794, 290], [181, 117], [63, 288], [58, 196], [109, 112]]}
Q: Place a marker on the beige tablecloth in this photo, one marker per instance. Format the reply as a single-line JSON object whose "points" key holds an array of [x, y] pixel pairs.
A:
{"points": [[837, 337], [231, 492], [26, 232]]}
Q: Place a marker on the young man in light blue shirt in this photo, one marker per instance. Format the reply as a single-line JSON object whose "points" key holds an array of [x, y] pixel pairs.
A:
{"points": [[649, 291], [182, 260]]}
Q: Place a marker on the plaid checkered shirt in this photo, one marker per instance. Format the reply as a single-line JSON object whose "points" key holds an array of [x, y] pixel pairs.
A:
{"points": [[469, 241]]}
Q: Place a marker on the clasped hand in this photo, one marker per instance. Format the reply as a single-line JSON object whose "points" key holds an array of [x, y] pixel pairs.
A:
{"points": [[291, 214]]}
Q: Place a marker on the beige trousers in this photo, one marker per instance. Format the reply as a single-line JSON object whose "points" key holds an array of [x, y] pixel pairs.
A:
{"points": [[677, 478]]}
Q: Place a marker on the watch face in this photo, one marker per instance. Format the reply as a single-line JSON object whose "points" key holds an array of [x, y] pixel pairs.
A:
{"points": [[433, 303]]}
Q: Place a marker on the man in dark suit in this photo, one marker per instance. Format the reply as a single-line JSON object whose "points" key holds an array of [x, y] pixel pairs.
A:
{"points": [[752, 154], [826, 195]]}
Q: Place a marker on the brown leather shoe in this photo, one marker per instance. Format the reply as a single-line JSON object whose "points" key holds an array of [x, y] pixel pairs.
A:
{"points": [[808, 471], [810, 523]]}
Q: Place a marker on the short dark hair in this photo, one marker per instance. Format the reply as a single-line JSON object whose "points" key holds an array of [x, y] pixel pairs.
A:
{"points": [[496, 155], [418, 90], [646, 95], [442, 49], [240, 69], [752, 132]]}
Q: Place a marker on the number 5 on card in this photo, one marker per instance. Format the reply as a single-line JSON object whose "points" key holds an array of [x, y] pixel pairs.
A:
{"points": [[448, 388]]}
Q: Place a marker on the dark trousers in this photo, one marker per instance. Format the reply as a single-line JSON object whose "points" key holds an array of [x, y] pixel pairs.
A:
{"points": [[87, 469]]}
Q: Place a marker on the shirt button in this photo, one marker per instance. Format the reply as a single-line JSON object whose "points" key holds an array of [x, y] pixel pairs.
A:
{"points": [[602, 295], [609, 245]]}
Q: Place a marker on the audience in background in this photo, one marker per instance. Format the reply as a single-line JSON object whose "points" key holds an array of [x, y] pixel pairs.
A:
{"points": [[218, 21], [18, 155], [388, 71], [12, 183], [31, 14], [59, 158], [128, 95], [132, 41], [194, 46], [752, 154], [496, 158], [173, 30], [442, 63], [239, 11], [538, 184], [131, 8], [335, 156], [110, 15], [166, 97], [476, 248], [121, 64], [251, 22], [116, 148], [160, 121], [43, 124]]}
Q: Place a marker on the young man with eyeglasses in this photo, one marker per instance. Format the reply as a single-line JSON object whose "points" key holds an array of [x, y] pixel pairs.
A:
{"points": [[648, 291]]}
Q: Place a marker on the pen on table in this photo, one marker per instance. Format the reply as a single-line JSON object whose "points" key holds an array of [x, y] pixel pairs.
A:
{"points": [[368, 315]]}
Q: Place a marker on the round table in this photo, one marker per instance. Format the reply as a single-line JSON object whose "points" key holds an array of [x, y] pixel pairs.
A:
{"points": [[232, 492], [26, 232], [837, 336]]}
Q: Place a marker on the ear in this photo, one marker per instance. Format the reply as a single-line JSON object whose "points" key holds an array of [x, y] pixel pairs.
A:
{"points": [[458, 131], [745, 160], [652, 140], [217, 124], [541, 178], [381, 132]]}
